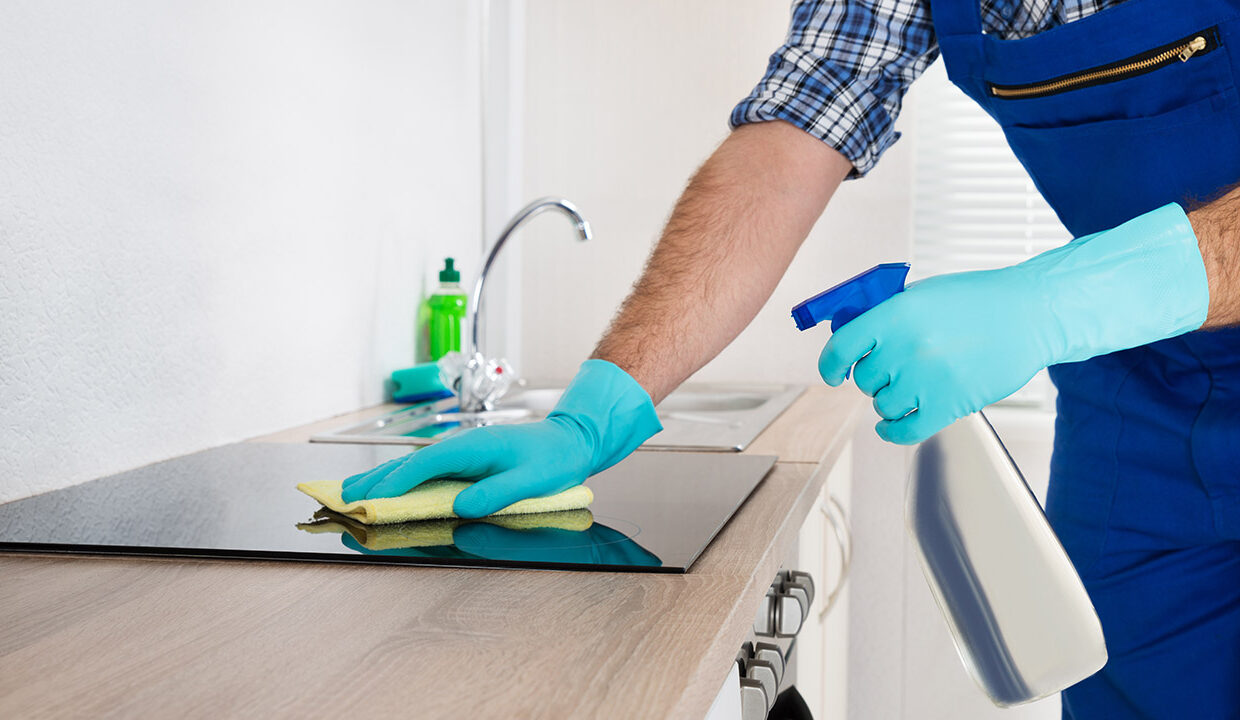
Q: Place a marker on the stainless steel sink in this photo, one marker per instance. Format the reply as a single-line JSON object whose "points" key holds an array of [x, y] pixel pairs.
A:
{"points": [[723, 418]]}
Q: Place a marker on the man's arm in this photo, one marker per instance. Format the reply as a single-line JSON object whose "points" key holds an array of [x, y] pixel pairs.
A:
{"points": [[732, 235], [729, 240], [1217, 227]]}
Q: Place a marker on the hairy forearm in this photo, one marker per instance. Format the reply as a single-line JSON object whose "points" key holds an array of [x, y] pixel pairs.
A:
{"points": [[730, 238], [1217, 226]]}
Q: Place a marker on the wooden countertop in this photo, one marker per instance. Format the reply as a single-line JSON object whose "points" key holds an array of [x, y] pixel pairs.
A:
{"points": [[136, 637]]}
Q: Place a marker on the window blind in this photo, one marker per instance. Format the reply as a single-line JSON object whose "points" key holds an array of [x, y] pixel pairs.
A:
{"points": [[974, 206]]}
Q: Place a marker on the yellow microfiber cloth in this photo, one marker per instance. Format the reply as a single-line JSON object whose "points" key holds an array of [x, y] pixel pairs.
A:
{"points": [[432, 500], [430, 533]]}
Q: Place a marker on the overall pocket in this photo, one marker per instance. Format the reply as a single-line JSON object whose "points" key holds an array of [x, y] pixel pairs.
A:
{"points": [[1195, 45], [1097, 175], [1123, 136]]}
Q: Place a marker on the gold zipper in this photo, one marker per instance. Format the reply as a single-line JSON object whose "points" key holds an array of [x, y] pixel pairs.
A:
{"points": [[1183, 50]]}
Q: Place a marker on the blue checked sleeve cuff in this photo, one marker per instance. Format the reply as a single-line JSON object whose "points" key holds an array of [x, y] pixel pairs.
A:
{"points": [[842, 73], [848, 119]]}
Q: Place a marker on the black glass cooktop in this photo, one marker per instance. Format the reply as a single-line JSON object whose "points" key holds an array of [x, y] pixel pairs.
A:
{"points": [[653, 512]]}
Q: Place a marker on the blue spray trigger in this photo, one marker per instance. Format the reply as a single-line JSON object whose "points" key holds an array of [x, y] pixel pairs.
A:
{"points": [[852, 297], [843, 316]]}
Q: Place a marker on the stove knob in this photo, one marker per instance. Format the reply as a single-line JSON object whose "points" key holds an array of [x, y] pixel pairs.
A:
{"points": [[743, 656], [788, 616], [753, 700], [764, 673], [801, 594], [802, 579], [764, 621], [769, 652]]}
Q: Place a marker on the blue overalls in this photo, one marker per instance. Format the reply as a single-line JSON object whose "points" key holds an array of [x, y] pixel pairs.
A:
{"points": [[1145, 476]]}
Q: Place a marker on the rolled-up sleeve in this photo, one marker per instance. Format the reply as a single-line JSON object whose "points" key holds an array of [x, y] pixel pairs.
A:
{"points": [[842, 73]]}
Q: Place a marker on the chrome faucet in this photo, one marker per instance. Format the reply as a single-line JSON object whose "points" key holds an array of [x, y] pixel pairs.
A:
{"points": [[476, 362]]}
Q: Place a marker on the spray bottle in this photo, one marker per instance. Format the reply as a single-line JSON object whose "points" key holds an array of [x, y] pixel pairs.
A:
{"points": [[1017, 611]]}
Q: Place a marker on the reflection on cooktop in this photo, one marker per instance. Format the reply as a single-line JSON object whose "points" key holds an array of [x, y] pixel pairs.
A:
{"points": [[573, 536], [653, 512]]}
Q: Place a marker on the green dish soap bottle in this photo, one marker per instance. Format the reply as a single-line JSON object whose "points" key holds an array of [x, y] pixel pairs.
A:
{"points": [[447, 316]]}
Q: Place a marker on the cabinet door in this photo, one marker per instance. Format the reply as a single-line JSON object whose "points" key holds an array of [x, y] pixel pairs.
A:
{"points": [[822, 645]]}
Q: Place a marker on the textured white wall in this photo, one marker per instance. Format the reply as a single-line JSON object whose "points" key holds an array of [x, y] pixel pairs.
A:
{"points": [[623, 102], [216, 217]]}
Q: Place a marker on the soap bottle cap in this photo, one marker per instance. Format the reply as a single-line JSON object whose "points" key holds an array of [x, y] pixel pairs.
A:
{"points": [[449, 274]]}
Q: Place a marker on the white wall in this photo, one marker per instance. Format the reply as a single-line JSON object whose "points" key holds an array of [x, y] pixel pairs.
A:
{"points": [[216, 217]]}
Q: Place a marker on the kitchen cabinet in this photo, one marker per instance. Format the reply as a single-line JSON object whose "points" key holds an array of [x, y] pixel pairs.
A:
{"points": [[822, 551]]}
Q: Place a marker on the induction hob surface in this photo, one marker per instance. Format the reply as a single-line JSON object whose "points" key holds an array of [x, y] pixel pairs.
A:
{"points": [[653, 512]]}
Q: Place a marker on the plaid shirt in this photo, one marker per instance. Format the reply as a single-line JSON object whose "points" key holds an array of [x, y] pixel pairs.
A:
{"points": [[842, 72]]}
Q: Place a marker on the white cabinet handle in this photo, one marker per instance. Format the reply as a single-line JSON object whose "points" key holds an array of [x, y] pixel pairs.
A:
{"points": [[837, 519]]}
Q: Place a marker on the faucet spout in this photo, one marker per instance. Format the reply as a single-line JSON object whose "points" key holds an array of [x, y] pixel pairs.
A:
{"points": [[526, 214]]}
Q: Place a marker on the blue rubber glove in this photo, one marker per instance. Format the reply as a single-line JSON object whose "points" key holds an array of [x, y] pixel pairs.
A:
{"points": [[601, 418], [952, 344]]}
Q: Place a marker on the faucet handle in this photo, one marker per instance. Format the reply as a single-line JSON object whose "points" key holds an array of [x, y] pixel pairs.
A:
{"points": [[451, 367], [477, 381]]}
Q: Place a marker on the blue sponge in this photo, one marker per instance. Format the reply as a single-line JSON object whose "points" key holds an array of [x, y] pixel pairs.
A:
{"points": [[419, 383]]}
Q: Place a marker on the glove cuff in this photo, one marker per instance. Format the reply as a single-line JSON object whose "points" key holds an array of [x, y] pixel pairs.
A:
{"points": [[613, 410], [1134, 284]]}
